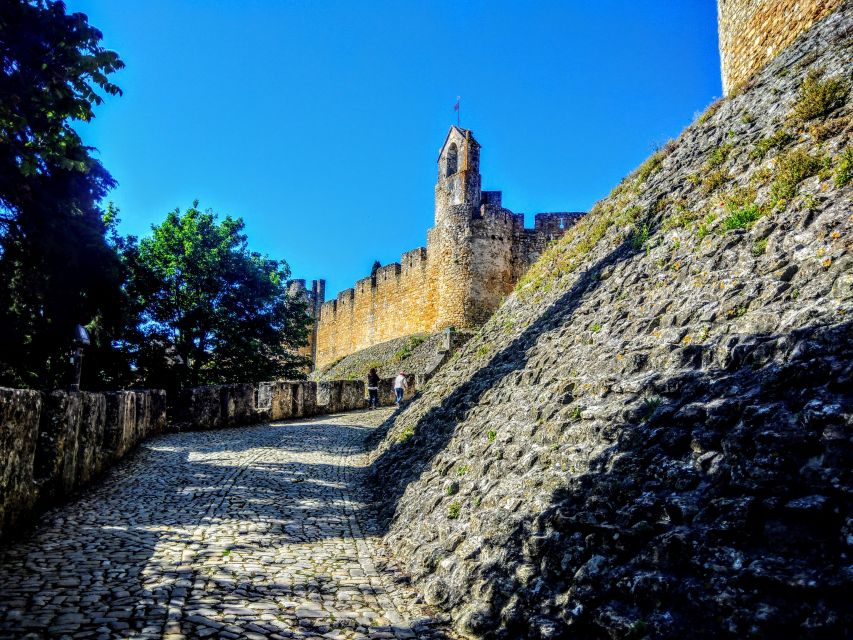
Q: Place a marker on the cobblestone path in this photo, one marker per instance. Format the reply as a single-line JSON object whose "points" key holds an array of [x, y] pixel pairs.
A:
{"points": [[259, 532]]}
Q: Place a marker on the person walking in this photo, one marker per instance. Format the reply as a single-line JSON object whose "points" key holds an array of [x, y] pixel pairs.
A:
{"points": [[401, 383], [373, 389]]}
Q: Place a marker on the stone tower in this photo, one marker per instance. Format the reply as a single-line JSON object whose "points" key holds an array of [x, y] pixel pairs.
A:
{"points": [[314, 300], [753, 32], [457, 201]]}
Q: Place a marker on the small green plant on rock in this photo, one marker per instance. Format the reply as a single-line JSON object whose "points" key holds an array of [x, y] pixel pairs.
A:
{"points": [[818, 97], [595, 327], [639, 236], [742, 218], [649, 406], [710, 111], [719, 155], [454, 510], [714, 180], [407, 349], [405, 434], [705, 226], [791, 169], [844, 172], [462, 469], [492, 435], [778, 140], [759, 248], [650, 167]]}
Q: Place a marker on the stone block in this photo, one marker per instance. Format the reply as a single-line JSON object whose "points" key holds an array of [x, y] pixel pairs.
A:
{"points": [[20, 411]]}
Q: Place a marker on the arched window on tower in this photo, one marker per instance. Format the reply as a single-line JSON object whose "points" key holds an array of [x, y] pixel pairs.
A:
{"points": [[452, 160]]}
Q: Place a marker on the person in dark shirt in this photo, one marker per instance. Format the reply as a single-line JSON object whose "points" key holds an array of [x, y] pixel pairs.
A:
{"points": [[373, 389]]}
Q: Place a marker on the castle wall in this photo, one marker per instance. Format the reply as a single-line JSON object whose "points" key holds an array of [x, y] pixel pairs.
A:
{"points": [[475, 254], [398, 301], [753, 32]]}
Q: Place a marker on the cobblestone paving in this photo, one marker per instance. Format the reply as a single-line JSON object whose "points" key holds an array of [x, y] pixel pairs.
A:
{"points": [[260, 532]]}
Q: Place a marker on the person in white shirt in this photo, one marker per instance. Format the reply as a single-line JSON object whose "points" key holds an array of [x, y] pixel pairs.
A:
{"points": [[400, 385]]}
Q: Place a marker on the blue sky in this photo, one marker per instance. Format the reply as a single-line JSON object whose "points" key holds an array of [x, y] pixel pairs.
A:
{"points": [[319, 122]]}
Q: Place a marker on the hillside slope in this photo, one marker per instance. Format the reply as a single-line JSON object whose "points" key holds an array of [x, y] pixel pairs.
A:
{"points": [[652, 436]]}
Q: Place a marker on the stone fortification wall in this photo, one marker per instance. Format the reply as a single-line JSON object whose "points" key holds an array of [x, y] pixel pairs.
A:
{"points": [[753, 32], [652, 437], [398, 301], [55, 442], [475, 254]]}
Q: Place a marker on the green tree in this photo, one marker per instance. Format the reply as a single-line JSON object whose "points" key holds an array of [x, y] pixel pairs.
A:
{"points": [[56, 267], [212, 310]]}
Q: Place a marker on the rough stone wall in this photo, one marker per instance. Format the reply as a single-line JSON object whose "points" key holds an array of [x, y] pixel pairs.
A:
{"points": [[753, 32], [233, 405], [652, 438], [397, 301], [475, 254], [55, 442]]}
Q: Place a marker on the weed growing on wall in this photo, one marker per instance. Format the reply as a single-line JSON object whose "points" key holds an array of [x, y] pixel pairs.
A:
{"points": [[844, 172], [818, 97], [791, 169]]}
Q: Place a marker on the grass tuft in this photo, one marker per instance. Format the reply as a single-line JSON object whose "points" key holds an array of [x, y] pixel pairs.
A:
{"points": [[818, 97], [844, 172], [778, 140], [791, 169]]}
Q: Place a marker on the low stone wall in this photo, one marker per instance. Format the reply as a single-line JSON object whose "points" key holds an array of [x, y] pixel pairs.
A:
{"points": [[387, 397], [232, 405], [53, 443]]}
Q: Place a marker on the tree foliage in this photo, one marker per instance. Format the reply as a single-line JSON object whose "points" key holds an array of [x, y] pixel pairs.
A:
{"points": [[212, 310], [56, 266]]}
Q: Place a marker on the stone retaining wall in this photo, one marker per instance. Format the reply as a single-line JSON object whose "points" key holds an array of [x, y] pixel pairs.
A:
{"points": [[53, 443]]}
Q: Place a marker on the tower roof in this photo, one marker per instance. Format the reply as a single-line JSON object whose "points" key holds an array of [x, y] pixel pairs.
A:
{"points": [[460, 132]]}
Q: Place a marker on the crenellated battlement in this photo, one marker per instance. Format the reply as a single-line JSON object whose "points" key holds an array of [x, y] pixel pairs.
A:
{"points": [[475, 254]]}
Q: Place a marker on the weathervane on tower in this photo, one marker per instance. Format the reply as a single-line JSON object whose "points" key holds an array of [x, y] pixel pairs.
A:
{"points": [[456, 109]]}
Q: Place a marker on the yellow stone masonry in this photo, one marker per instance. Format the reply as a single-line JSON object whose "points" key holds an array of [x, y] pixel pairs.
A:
{"points": [[753, 32], [475, 254]]}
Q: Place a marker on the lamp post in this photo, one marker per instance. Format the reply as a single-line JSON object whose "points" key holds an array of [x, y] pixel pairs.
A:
{"points": [[81, 339]]}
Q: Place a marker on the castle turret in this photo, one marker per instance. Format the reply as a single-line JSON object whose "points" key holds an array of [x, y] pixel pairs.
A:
{"points": [[313, 300], [457, 203], [457, 190]]}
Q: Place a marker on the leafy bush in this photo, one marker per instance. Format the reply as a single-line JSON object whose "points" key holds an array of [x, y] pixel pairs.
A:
{"points": [[818, 97], [454, 510]]}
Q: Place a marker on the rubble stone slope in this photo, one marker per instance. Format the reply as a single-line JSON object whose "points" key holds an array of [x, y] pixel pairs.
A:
{"points": [[652, 436]]}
